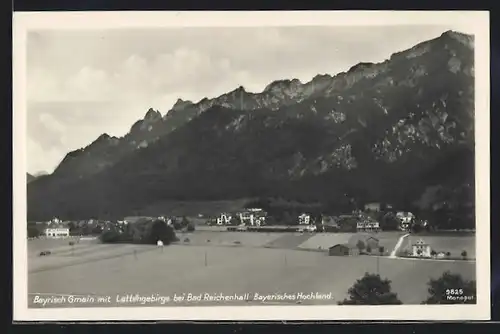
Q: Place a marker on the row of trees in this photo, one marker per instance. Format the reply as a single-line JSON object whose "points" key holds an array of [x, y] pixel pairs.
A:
{"points": [[149, 232], [450, 288]]}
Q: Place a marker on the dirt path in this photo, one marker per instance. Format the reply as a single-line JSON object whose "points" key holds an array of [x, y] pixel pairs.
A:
{"points": [[398, 246]]}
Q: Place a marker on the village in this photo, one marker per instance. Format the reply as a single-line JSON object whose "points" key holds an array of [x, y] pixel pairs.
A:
{"points": [[362, 227]]}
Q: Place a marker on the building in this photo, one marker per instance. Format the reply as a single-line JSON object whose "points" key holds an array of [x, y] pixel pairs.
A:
{"points": [[304, 219], [342, 250], [224, 219], [405, 218], [367, 226], [421, 249], [253, 217], [329, 224], [372, 242], [373, 207], [57, 232]]}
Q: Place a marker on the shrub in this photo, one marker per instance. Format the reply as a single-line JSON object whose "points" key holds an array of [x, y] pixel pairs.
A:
{"points": [[464, 254], [433, 252], [71, 243], [368, 249], [190, 227], [187, 240], [448, 254]]}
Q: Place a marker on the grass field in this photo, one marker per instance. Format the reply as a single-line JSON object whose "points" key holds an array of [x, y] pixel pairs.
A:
{"points": [[201, 267]]}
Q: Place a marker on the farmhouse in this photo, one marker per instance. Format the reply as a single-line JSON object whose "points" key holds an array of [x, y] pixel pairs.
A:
{"points": [[342, 250], [421, 249], [405, 218], [304, 219], [57, 232]]}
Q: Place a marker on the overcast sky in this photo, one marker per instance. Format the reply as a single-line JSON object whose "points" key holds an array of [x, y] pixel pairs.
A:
{"points": [[81, 84]]}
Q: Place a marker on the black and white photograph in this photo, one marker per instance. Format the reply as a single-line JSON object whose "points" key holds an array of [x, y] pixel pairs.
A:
{"points": [[251, 166]]}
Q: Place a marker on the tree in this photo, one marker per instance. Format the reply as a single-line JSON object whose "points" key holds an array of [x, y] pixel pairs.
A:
{"points": [[371, 290], [390, 222], [368, 249], [235, 220], [416, 227], [190, 227], [449, 288], [448, 254], [360, 245], [33, 232], [464, 254], [161, 231], [109, 237], [433, 252]]}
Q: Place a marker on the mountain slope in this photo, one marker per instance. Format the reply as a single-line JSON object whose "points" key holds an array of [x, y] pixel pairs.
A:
{"points": [[380, 132]]}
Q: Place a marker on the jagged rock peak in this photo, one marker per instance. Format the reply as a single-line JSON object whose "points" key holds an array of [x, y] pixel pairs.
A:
{"points": [[181, 104], [151, 114], [282, 83], [321, 76], [104, 136]]}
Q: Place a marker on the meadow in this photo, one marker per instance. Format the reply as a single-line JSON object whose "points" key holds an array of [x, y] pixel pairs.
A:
{"points": [[263, 263]]}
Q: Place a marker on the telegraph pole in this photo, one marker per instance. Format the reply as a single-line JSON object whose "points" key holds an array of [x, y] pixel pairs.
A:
{"points": [[378, 265], [206, 262]]}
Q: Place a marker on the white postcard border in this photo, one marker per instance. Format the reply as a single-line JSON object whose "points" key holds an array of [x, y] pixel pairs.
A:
{"points": [[476, 22]]}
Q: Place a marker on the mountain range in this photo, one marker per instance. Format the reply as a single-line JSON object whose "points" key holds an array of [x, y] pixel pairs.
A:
{"points": [[386, 132]]}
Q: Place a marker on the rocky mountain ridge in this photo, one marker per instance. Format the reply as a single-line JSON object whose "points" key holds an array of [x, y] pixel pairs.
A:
{"points": [[378, 132]]}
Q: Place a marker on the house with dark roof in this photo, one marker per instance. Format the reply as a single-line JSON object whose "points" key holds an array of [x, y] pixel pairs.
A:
{"points": [[343, 250]]}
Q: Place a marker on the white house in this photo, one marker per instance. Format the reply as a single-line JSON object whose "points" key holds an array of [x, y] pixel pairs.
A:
{"points": [[253, 217], [405, 219], [304, 219], [224, 219], [421, 249], [367, 226], [59, 232]]}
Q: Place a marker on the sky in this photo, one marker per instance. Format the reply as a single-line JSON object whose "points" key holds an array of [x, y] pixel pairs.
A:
{"points": [[83, 83]]}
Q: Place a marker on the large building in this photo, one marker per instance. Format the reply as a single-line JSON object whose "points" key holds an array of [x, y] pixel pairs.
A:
{"points": [[367, 226], [253, 217], [57, 232]]}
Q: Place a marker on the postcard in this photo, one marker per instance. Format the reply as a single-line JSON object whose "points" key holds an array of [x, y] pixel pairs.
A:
{"points": [[251, 165]]}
